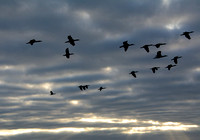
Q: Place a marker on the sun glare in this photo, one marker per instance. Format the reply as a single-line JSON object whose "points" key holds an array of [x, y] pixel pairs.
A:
{"points": [[74, 102]]}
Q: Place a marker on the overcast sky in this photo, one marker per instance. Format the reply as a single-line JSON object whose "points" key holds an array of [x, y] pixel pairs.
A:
{"points": [[163, 105]]}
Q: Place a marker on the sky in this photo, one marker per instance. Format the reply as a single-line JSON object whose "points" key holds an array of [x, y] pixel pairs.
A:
{"points": [[163, 105]]}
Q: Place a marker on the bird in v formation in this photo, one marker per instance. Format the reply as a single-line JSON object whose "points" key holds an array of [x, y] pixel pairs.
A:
{"points": [[125, 46]]}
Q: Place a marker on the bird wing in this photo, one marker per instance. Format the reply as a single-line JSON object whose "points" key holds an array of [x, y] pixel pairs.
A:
{"points": [[125, 48], [81, 87], [67, 50], [187, 36], [176, 60], [153, 69], [147, 49], [72, 42]]}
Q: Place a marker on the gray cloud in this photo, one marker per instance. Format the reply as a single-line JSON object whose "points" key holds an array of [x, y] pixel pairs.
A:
{"points": [[28, 72]]}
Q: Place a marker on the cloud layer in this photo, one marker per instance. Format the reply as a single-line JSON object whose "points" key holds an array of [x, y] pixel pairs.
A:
{"points": [[28, 72]]}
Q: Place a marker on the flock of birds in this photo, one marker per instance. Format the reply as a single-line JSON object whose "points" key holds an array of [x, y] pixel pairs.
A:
{"points": [[125, 45]]}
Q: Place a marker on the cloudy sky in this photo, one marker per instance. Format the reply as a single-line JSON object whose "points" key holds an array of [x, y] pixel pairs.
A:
{"points": [[163, 105]]}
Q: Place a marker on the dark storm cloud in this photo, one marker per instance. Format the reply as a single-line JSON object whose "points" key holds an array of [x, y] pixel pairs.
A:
{"points": [[28, 72]]}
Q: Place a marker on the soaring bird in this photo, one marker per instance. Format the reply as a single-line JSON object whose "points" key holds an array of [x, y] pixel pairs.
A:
{"points": [[170, 66], [100, 89], [159, 55], [52, 93], [175, 59], [32, 41], [187, 34], [159, 44], [126, 45], [67, 54], [146, 47], [71, 40], [154, 69], [133, 73]]}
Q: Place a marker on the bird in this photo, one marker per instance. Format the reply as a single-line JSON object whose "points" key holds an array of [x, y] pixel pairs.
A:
{"points": [[71, 40], [133, 73], [100, 89], [154, 69], [159, 44], [146, 47], [175, 59], [170, 66], [81, 87], [52, 93], [67, 54], [32, 41], [187, 34], [86, 86], [126, 45], [159, 55]]}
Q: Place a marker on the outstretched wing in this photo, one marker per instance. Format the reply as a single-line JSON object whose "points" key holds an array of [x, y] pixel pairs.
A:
{"points": [[147, 49], [187, 36], [125, 48]]}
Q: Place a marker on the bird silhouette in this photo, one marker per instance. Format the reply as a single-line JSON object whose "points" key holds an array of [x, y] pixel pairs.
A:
{"points": [[71, 40], [32, 41], [81, 87], [101, 88], [52, 93], [170, 66], [187, 34], [86, 86], [126, 45], [159, 44], [67, 54], [175, 59], [154, 69], [133, 73], [146, 47], [159, 55]]}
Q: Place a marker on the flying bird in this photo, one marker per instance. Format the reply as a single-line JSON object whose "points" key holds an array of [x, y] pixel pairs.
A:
{"points": [[159, 55], [32, 41], [187, 34], [170, 66], [81, 87], [133, 73], [126, 45], [101, 88], [71, 40], [175, 59], [67, 54], [146, 47], [154, 69], [52, 93], [86, 86], [159, 44]]}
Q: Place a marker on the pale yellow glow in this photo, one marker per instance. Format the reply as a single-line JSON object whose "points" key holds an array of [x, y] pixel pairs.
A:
{"points": [[46, 86], [126, 130], [95, 119], [110, 70], [107, 69], [173, 26], [117, 125], [152, 122], [74, 102]]}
